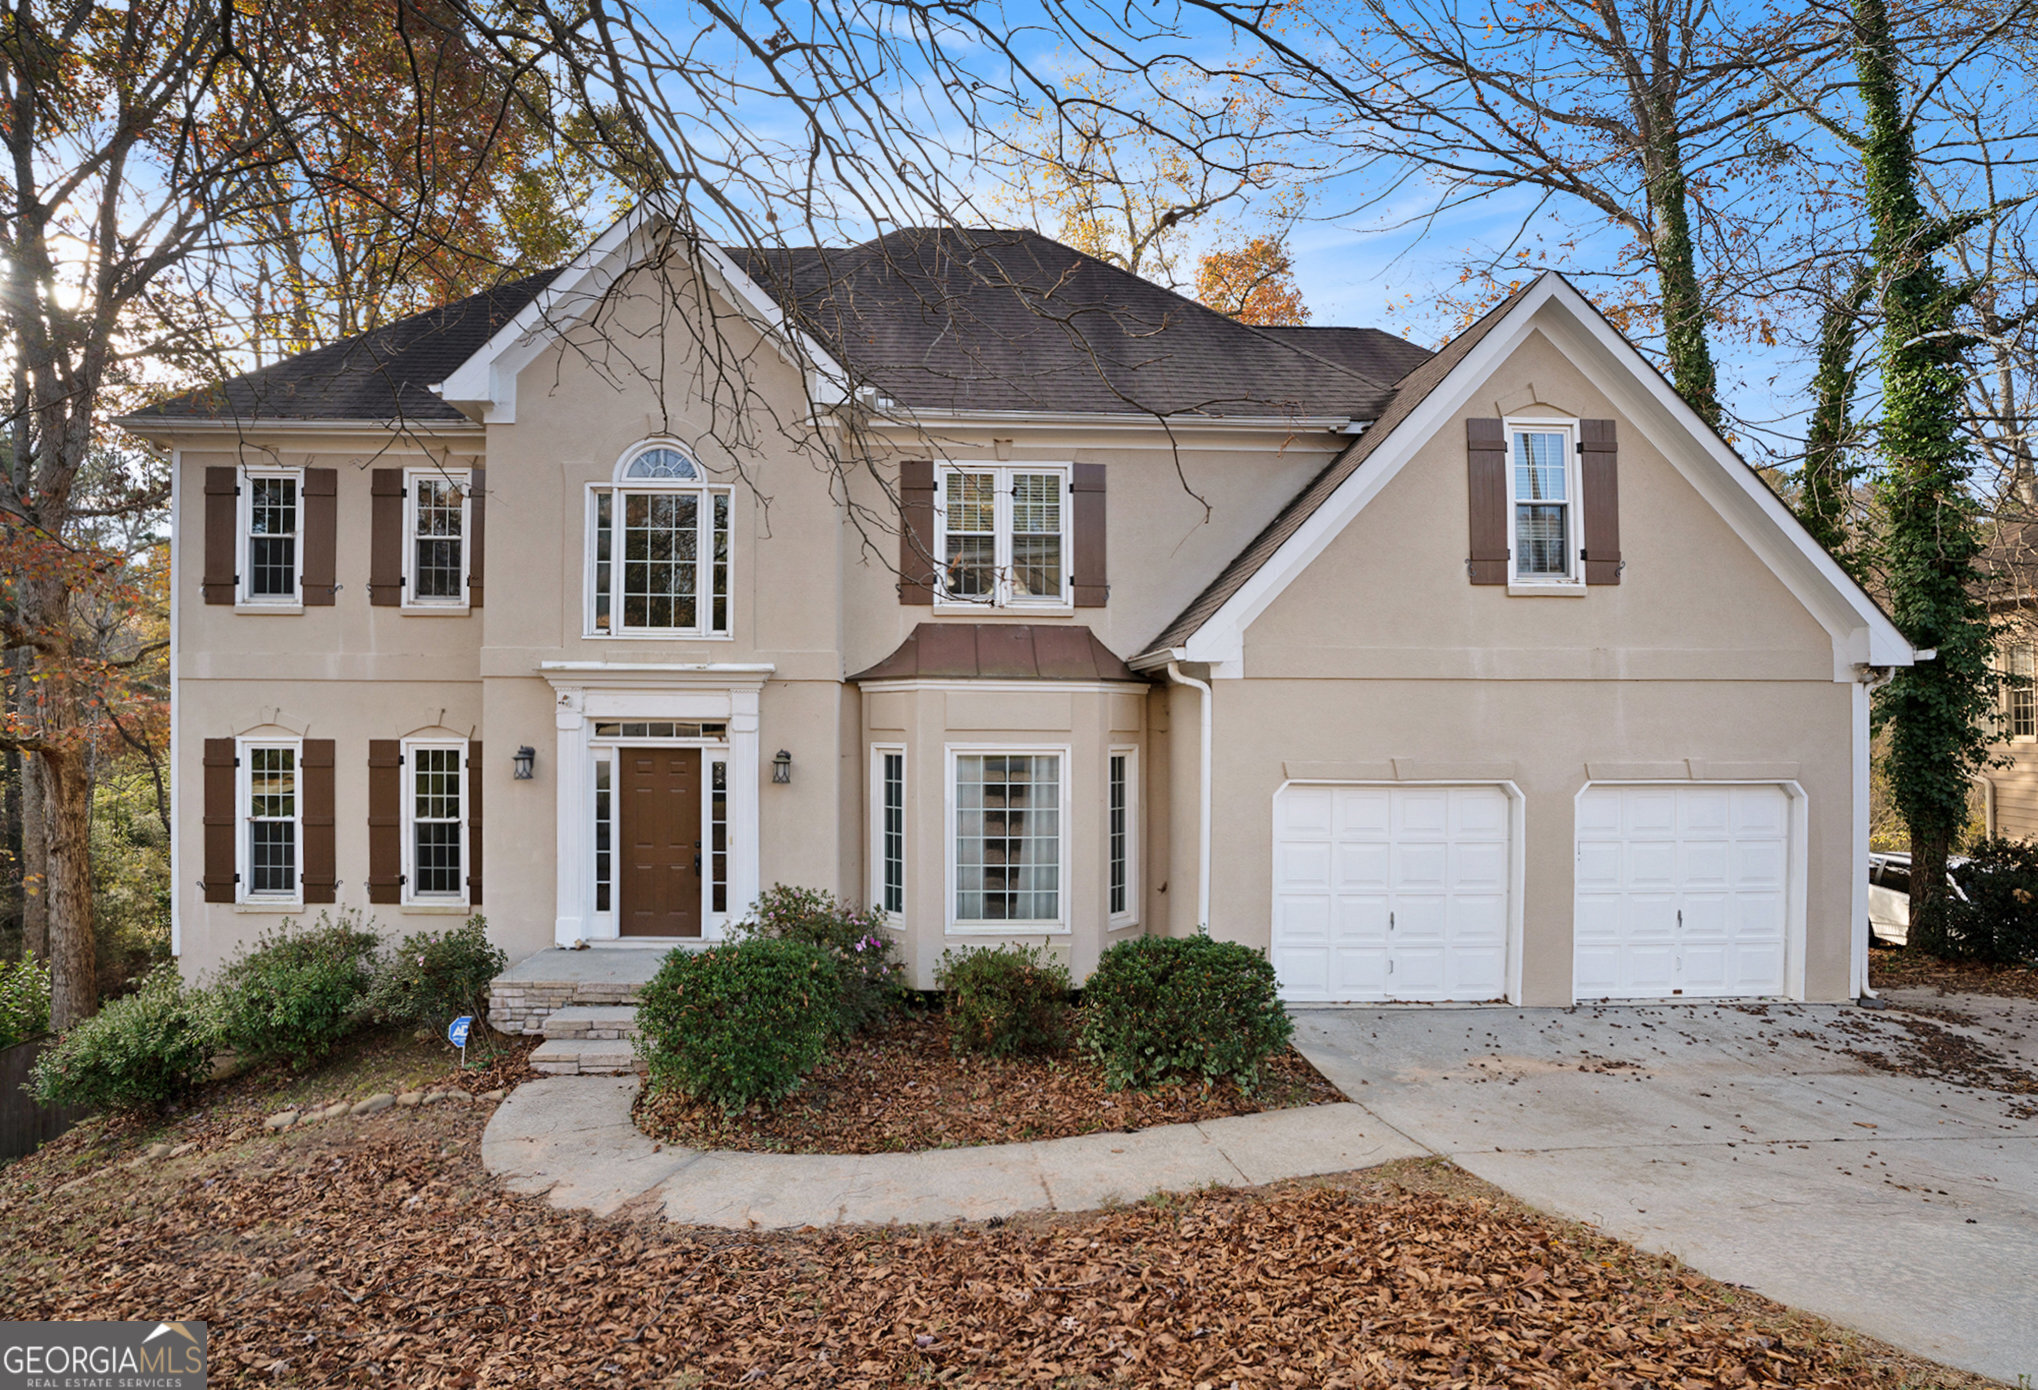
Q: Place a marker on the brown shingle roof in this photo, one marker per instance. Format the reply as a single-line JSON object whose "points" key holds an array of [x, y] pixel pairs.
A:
{"points": [[1000, 651], [1409, 393]]}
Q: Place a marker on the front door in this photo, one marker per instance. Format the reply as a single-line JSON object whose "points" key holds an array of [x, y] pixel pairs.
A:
{"points": [[661, 841]]}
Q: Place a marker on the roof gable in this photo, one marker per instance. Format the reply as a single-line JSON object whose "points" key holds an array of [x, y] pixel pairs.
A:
{"points": [[1212, 627]]}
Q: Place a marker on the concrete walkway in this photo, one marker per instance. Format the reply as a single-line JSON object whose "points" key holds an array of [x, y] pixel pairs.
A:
{"points": [[1745, 1140], [570, 1138]]}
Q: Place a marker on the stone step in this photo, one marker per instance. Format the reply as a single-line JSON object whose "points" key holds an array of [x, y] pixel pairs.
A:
{"points": [[584, 1057], [593, 1021]]}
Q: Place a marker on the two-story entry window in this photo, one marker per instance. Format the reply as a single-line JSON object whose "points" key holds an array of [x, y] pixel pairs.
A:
{"points": [[271, 520], [659, 552], [1003, 536], [436, 527], [1543, 484]]}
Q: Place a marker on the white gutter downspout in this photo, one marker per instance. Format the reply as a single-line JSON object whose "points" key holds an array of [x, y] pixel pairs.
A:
{"points": [[1867, 680], [1203, 810]]}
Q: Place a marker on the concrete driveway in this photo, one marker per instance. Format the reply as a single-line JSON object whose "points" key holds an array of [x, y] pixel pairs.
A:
{"points": [[1749, 1143]]}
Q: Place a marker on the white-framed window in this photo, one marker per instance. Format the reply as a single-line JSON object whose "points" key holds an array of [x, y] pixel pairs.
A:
{"points": [[436, 514], [1121, 834], [272, 821], [1007, 865], [2020, 696], [888, 828], [658, 550], [272, 537], [1004, 536], [435, 821], [1542, 496]]}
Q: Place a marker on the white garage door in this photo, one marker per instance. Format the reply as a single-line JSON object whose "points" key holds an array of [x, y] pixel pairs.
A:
{"points": [[1681, 891], [1390, 893]]}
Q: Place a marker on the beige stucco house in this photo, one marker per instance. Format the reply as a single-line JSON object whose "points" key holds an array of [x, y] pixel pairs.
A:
{"points": [[964, 575]]}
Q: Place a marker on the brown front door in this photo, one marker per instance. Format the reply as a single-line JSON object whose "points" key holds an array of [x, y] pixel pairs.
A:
{"points": [[661, 840]]}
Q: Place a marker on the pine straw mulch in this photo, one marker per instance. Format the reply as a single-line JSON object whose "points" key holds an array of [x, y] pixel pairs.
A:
{"points": [[1911, 969], [374, 1251], [900, 1087]]}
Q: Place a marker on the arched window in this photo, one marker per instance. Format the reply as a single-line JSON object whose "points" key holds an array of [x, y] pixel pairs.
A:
{"points": [[660, 463], [658, 558]]}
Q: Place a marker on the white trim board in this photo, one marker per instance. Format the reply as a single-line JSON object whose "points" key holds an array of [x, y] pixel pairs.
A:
{"points": [[1861, 632]]}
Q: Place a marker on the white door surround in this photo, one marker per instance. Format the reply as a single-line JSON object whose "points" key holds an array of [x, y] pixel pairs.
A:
{"points": [[1388, 891], [585, 692], [1689, 890]]}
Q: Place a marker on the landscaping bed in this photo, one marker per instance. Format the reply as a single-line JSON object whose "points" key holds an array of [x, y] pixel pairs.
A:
{"points": [[900, 1086], [1909, 968]]}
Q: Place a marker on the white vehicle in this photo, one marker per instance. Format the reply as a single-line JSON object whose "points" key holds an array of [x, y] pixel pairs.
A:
{"points": [[1889, 895]]}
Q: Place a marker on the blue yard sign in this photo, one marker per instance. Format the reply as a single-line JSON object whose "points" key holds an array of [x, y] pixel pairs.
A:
{"points": [[456, 1031]]}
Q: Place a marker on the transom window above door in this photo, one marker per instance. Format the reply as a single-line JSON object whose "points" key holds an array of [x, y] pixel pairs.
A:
{"points": [[1002, 536], [658, 550]]}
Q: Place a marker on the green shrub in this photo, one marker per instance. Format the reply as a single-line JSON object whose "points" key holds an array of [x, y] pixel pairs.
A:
{"points": [[1005, 1001], [299, 991], [142, 1049], [1999, 921], [434, 977], [738, 1024], [1164, 1006], [24, 1000], [866, 962]]}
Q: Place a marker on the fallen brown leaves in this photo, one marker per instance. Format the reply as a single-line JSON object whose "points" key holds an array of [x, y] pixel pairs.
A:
{"points": [[899, 1087], [380, 1253], [1912, 969]]}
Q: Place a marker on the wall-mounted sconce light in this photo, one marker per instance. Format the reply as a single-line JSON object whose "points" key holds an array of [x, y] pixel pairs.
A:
{"points": [[782, 767], [526, 763]]}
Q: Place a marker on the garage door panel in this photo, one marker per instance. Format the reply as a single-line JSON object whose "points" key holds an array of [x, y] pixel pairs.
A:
{"points": [[1362, 813], [1365, 866], [1696, 905], [1433, 860]]}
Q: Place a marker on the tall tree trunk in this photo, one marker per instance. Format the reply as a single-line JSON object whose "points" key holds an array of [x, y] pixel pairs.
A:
{"points": [[1937, 708], [35, 904], [74, 970], [1684, 315], [1827, 483]]}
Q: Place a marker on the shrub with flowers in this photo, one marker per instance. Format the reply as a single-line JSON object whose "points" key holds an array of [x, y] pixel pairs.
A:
{"points": [[872, 975]]}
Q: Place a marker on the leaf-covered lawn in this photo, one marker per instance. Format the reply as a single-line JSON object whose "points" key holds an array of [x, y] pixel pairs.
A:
{"points": [[375, 1251], [1908, 968], [899, 1086]]}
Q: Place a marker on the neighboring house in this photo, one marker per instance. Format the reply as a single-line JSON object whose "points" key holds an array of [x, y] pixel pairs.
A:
{"points": [[2009, 566], [1487, 674]]}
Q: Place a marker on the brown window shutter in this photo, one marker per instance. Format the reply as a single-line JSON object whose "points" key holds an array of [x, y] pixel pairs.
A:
{"points": [[1486, 456], [222, 825], [321, 875], [477, 532], [385, 820], [321, 518], [474, 823], [1092, 584], [916, 531], [385, 539], [222, 520], [1599, 481]]}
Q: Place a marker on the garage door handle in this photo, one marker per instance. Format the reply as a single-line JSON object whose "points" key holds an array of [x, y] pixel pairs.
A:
{"points": [[1390, 921]]}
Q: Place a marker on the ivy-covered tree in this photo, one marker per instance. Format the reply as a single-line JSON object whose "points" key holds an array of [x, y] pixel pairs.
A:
{"points": [[1937, 709]]}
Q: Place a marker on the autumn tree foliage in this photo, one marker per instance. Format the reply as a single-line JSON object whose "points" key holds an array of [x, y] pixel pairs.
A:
{"points": [[1253, 283], [186, 179]]}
